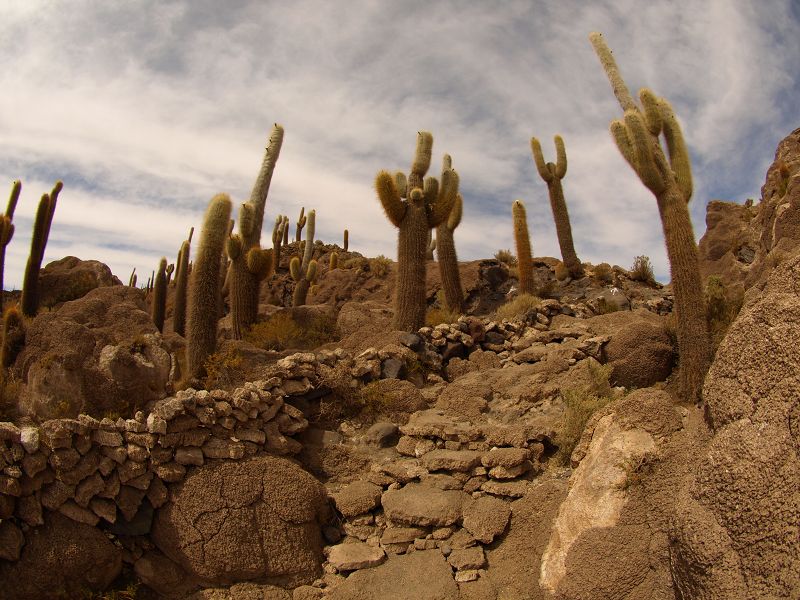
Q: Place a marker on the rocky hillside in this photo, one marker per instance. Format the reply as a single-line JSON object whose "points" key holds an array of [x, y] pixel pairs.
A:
{"points": [[534, 453]]}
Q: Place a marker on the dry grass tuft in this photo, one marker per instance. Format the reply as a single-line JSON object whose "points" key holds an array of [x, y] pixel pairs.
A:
{"points": [[519, 306]]}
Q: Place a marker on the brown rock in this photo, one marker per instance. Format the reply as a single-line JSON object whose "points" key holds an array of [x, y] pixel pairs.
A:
{"points": [[640, 353], [420, 505], [357, 498], [467, 558], [486, 517], [71, 278], [352, 556], [162, 575], [451, 460], [11, 541]]}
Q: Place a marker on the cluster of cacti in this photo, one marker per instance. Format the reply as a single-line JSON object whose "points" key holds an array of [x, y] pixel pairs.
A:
{"points": [[181, 286], [250, 265], [301, 222], [7, 230], [159, 307], [414, 205], [552, 174], [523, 245], [281, 225], [446, 252], [205, 286], [670, 181], [41, 231], [304, 272]]}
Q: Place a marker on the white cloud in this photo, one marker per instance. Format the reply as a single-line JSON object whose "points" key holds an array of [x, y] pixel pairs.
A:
{"points": [[147, 109]]}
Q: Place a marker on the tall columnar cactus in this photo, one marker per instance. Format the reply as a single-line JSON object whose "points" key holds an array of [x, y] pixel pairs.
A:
{"points": [[346, 240], [159, 307], [552, 174], [169, 271], [277, 240], [304, 272], [446, 252], [670, 181], [13, 336], [414, 206], [181, 287], [523, 244], [41, 231], [7, 230], [205, 285], [248, 272], [132, 278], [301, 222]]}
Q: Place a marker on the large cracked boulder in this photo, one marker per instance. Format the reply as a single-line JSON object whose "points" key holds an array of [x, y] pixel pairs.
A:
{"points": [[100, 355], [255, 519], [640, 353], [62, 558], [71, 278], [735, 530]]}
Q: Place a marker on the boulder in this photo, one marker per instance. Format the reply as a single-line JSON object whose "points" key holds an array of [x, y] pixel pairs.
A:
{"points": [[355, 555], [419, 505], [360, 316], [640, 353], [100, 355], [486, 518], [243, 591], [257, 518], [61, 556], [357, 498], [71, 278]]}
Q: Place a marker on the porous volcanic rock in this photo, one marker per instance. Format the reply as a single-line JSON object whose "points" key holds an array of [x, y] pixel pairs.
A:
{"points": [[98, 355], [640, 353], [421, 505], [64, 557], [255, 519], [71, 278]]}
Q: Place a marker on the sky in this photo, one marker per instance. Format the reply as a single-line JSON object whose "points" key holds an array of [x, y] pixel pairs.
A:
{"points": [[147, 109]]}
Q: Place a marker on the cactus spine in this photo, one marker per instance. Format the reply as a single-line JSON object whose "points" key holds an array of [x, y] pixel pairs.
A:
{"points": [[41, 231], [181, 286], [670, 181], [552, 174], [306, 271], [245, 284], [204, 287], [7, 230], [160, 295], [346, 240], [523, 243], [414, 207], [301, 222], [446, 253]]}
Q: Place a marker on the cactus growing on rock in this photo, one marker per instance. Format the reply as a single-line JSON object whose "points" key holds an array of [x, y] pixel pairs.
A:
{"points": [[158, 310], [301, 222], [346, 240], [446, 252], [414, 206], [523, 244], [304, 272], [205, 286], [13, 336], [170, 269], [245, 284], [7, 230], [181, 287], [41, 231], [277, 239], [333, 261], [552, 174], [670, 181]]}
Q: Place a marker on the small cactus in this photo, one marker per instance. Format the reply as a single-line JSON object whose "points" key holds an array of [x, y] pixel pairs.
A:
{"points": [[552, 174], [346, 240], [41, 231], [277, 240], [414, 206], [7, 230], [132, 278], [670, 181], [523, 243], [160, 295], [301, 222], [304, 272], [169, 271], [181, 288], [13, 336], [333, 262], [205, 286]]}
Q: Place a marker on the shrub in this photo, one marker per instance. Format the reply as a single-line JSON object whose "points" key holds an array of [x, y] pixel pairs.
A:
{"points": [[581, 403], [379, 265], [355, 262], [518, 306], [281, 332], [437, 315], [603, 273], [223, 369], [506, 257], [642, 270]]}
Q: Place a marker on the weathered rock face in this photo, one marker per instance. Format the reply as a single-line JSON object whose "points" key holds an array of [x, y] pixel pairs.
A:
{"points": [[254, 519], [735, 533], [640, 353], [71, 278], [98, 355], [729, 244], [61, 557]]}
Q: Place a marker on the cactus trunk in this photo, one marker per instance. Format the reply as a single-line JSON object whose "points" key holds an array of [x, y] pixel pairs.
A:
{"points": [[41, 231], [160, 295], [448, 269], [412, 247], [563, 229], [205, 285], [523, 244], [181, 287]]}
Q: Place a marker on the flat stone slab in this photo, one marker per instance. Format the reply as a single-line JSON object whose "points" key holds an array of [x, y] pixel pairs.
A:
{"points": [[467, 558], [423, 506], [432, 423], [511, 489], [357, 498], [505, 457], [451, 460], [355, 555]]}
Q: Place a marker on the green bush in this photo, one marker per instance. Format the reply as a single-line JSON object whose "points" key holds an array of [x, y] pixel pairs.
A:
{"points": [[506, 257], [379, 265], [642, 270], [603, 273]]}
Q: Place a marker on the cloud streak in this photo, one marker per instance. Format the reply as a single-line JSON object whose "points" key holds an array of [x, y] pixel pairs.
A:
{"points": [[148, 109]]}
